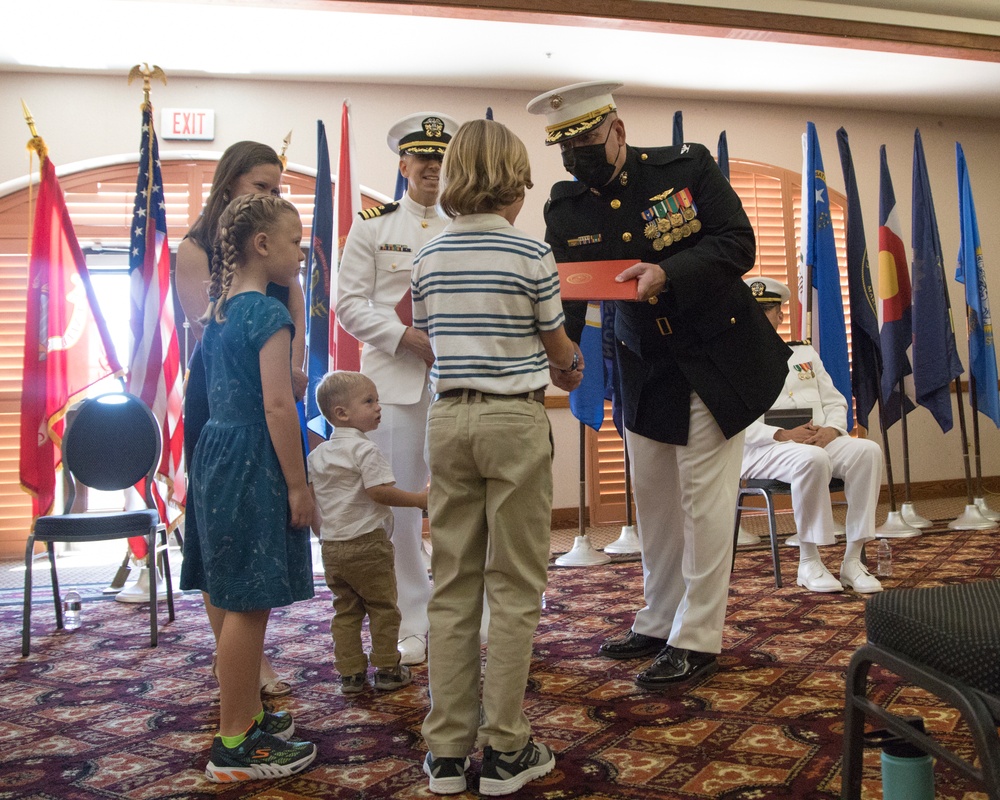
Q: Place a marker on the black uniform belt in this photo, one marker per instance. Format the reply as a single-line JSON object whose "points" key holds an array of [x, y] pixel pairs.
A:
{"points": [[472, 395]]}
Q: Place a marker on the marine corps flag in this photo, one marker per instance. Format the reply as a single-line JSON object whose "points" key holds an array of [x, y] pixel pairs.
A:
{"points": [[344, 349], [67, 348], [155, 374]]}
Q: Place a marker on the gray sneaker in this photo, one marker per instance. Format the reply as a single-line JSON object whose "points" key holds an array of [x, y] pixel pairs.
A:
{"points": [[388, 680], [352, 684], [447, 775], [504, 773]]}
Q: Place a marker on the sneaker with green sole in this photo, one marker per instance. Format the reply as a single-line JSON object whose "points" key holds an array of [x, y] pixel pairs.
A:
{"points": [[447, 775], [278, 723], [260, 755], [505, 773]]}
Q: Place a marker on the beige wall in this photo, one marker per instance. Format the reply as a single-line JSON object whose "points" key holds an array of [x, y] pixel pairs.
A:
{"points": [[86, 117]]}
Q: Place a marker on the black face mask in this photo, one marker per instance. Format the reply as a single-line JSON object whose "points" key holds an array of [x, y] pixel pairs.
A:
{"points": [[589, 163]]}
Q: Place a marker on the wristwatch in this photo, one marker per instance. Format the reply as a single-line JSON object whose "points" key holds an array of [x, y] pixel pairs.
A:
{"points": [[575, 365]]}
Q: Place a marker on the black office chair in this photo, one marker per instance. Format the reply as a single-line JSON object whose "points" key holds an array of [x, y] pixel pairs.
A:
{"points": [[767, 488], [111, 443], [946, 640]]}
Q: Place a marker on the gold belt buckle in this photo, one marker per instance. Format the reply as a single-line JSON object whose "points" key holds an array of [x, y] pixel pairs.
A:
{"points": [[664, 325]]}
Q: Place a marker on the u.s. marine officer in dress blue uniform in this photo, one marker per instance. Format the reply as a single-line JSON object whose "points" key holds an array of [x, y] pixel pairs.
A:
{"points": [[697, 359], [373, 305]]}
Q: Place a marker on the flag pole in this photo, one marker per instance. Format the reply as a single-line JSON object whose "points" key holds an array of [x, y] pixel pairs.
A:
{"points": [[895, 526], [284, 149], [971, 519], [582, 553], [974, 404], [907, 511], [36, 142], [140, 590], [980, 498], [37, 145], [628, 542]]}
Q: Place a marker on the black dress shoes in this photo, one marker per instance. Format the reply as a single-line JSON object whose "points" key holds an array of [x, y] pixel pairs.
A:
{"points": [[674, 665], [632, 645]]}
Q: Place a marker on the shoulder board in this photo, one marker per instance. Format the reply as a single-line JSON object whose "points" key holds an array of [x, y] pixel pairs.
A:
{"points": [[565, 189], [664, 155], [797, 344], [378, 211]]}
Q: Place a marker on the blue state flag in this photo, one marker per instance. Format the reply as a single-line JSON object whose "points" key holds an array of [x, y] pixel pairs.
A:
{"points": [[935, 358], [318, 283], [972, 273], [723, 151], [678, 129], [819, 251], [866, 352], [896, 309], [587, 400]]}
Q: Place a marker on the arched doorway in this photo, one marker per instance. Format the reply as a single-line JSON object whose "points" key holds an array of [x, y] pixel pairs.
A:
{"points": [[99, 199]]}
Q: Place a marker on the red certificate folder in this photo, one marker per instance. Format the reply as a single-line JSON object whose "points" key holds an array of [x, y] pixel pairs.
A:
{"points": [[595, 280]]}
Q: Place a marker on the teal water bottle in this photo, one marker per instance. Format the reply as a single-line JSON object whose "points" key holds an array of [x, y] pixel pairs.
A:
{"points": [[907, 771]]}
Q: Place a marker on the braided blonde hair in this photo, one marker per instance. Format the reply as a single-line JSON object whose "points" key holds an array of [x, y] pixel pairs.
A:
{"points": [[244, 218]]}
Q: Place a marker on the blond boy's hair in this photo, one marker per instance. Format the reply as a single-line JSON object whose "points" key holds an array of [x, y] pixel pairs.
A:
{"points": [[485, 168], [337, 389]]}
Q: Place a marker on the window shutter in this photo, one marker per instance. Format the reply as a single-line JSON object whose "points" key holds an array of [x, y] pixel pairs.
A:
{"points": [[100, 205]]}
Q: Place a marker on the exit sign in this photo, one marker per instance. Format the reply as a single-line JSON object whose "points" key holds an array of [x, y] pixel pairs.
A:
{"points": [[187, 123]]}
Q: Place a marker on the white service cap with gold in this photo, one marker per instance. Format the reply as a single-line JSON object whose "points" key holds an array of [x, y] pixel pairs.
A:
{"points": [[767, 290], [425, 133], [575, 109]]}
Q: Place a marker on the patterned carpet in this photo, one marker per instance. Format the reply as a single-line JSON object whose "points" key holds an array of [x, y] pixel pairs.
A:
{"points": [[96, 713]]}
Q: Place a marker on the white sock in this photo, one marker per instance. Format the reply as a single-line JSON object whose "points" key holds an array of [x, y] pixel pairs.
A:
{"points": [[854, 550], [808, 551]]}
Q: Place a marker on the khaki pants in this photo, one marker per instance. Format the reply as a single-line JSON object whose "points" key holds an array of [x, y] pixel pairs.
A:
{"points": [[360, 574], [490, 510]]}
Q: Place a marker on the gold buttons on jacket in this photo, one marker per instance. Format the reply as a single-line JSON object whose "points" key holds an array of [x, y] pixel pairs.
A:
{"points": [[644, 156], [732, 320], [616, 204], [626, 237], [423, 223]]}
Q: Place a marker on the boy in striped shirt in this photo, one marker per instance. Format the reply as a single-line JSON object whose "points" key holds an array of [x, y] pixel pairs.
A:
{"points": [[487, 296]]}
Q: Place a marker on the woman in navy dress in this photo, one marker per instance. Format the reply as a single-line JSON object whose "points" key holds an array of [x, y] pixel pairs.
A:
{"points": [[245, 168]]}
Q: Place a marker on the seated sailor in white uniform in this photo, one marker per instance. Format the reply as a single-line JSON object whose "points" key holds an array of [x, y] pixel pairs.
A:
{"points": [[808, 454]]}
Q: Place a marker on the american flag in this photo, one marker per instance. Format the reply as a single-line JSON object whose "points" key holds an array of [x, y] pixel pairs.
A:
{"points": [[154, 365]]}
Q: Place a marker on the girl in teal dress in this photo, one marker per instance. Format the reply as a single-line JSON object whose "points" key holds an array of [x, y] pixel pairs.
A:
{"points": [[249, 487]]}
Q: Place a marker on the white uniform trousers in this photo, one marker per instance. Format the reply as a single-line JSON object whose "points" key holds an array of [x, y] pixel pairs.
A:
{"points": [[686, 498], [808, 470], [400, 437]]}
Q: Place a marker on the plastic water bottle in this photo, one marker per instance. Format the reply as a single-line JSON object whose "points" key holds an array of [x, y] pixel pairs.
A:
{"points": [[72, 605], [907, 771], [884, 554]]}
